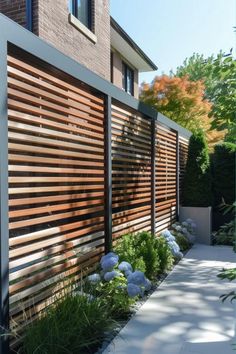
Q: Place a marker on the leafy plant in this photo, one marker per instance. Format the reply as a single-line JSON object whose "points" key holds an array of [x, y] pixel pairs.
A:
{"points": [[113, 295], [228, 208], [186, 229], [165, 256], [223, 171], [140, 250], [226, 235], [127, 251], [182, 241], [219, 77], [197, 178], [229, 274], [117, 285], [147, 246], [223, 95], [73, 325]]}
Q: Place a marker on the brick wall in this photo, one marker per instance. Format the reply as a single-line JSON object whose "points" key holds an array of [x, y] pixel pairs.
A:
{"points": [[54, 27], [15, 10], [51, 23]]}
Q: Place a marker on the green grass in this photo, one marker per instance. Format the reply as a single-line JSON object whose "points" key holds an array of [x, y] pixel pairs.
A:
{"points": [[75, 325]]}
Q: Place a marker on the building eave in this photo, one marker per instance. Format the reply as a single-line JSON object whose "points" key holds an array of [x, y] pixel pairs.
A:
{"points": [[124, 44]]}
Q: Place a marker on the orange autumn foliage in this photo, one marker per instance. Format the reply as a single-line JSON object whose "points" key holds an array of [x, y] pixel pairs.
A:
{"points": [[183, 101]]}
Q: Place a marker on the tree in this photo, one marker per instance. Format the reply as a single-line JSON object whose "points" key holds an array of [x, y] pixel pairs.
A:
{"points": [[199, 68], [223, 96], [178, 98], [219, 77], [197, 178], [224, 173], [182, 100]]}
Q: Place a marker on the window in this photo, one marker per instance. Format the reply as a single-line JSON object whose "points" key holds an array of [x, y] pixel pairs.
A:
{"points": [[81, 9], [128, 79]]}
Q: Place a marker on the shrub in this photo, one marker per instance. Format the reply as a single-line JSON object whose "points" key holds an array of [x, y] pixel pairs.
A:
{"points": [[226, 234], [127, 251], [186, 229], [182, 241], [173, 246], [229, 274], [147, 246], [113, 295], [223, 170], [73, 325], [197, 178], [152, 254], [117, 285], [140, 250], [166, 259]]}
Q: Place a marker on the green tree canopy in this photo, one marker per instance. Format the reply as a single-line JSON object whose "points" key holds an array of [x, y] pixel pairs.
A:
{"points": [[219, 77]]}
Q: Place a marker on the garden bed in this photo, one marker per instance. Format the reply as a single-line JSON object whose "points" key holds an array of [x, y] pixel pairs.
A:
{"points": [[86, 319]]}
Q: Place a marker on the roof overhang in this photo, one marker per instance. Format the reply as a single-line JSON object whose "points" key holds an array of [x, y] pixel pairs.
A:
{"points": [[124, 44]]}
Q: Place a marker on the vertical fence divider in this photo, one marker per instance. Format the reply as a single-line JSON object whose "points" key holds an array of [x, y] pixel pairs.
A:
{"points": [[108, 176], [177, 175], [153, 176], [4, 233]]}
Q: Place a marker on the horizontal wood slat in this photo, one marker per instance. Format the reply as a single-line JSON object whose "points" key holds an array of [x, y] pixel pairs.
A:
{"points": [[57, 175], [131, 146], [165, 178], [56, 182], [183, 154]]}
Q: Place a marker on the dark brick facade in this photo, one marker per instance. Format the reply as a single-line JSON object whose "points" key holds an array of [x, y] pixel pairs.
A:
{"points": [[15, 10], [50, 22]]}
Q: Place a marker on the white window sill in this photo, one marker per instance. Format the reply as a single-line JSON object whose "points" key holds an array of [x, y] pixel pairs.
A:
{"points": [[82, 28]]}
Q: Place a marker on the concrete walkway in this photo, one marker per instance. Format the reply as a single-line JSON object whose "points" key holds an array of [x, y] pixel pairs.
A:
{"points": [[185, 315]]}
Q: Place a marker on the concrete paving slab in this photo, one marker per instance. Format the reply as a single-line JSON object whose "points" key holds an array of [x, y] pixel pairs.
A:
{"points": [[184, 315]]}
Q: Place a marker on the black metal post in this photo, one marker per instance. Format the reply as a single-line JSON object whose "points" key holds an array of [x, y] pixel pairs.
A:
{"points": [[108, 176], [153, 176], [4, 239], [177, 176]]}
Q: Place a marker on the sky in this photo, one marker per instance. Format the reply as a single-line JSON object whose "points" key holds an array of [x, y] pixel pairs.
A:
{"points": [[168, 31]]}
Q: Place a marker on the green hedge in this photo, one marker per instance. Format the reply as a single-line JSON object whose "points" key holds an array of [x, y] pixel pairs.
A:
{"points": [[197, 179], [223, 172]]}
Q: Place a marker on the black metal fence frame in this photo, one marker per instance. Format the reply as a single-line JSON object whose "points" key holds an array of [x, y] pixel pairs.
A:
{"points": [[13, 34]]}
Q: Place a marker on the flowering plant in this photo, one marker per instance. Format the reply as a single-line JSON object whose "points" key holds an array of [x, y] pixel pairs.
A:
{"points": [[180, 236], [117, 284], [186, 229], [174, 247]]}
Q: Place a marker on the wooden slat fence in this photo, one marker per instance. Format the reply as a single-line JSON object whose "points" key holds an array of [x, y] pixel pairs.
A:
{"points": [[183, 154], [56, 184], [131, 172], [57, 169], [166, 176]]}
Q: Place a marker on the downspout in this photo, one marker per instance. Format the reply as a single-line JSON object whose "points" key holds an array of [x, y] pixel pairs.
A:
{"points": [[29, 15]]}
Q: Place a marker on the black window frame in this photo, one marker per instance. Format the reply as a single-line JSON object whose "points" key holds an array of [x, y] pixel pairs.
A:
{"points": [[75, 12], [125, 69], [111, 65]]}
